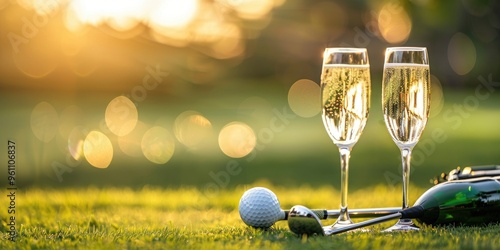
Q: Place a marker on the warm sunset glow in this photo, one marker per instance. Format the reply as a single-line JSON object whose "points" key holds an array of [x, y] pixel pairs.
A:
{"points": [[215, 28], [173, 13], [93, 12], [121, 15], [125, 15], [237, 139]]}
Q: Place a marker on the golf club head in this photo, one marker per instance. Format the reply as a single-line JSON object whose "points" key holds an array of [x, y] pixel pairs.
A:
{"points": [[302, 220]]}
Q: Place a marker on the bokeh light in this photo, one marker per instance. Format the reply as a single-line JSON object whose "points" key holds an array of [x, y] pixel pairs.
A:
{"points": [[31, 60], [237, 139], [121, 116], [173, 13], [73, 23], [98, 149], [229, 44], [121, 15], [437, 98], [158, 145], [76, 139], [192, 129], [83, 64], [251, 9], [394, 23], [44, 121], [130, 144], [304, 98], [461, 53]]}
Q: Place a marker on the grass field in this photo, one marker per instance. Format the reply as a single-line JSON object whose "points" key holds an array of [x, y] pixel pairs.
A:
{"points": [[157, 218]]}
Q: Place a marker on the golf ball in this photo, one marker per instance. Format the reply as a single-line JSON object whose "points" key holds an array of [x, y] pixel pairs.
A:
{"points": [[259, 207]]}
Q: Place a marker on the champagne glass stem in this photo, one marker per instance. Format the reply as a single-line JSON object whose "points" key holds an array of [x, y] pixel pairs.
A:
{"points": [[406, 158], [404, 224], [345, 154]]}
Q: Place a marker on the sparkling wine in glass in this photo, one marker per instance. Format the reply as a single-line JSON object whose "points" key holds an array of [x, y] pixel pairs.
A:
{"points": [[406, 105], [345, 102]]}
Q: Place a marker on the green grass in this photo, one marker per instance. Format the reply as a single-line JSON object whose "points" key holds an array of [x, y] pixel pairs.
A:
{"points": [[157, 218]]}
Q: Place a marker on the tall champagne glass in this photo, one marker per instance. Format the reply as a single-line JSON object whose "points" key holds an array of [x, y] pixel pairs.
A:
{"points": [[345, 102], [406, 104]]}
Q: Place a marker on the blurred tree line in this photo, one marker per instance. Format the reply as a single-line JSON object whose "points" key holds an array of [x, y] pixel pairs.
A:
{"points": [[290, 47]]}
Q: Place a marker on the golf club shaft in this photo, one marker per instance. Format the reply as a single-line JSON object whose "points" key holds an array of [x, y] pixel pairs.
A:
{"points": [[353, 213]]}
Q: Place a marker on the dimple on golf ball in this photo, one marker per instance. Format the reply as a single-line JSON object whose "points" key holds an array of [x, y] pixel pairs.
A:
{"points": [[259, 207]]}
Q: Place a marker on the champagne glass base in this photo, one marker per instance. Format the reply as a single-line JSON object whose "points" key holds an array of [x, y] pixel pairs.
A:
{"points": [[341, 224], [403, 225]]}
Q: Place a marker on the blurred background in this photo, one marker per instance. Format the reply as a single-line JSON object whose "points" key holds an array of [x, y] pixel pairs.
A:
{"points": [[221, 93]]}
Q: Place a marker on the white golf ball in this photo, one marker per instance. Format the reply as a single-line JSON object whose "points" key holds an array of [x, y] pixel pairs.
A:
{"points": [[259, 207]]}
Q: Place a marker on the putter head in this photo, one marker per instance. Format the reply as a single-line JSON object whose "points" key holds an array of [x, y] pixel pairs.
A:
{"points": [[302, 220]]}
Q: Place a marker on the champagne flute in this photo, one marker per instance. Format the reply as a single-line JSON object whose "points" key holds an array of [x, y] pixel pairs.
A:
{"points": [[345, 102], [406, 104]]}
